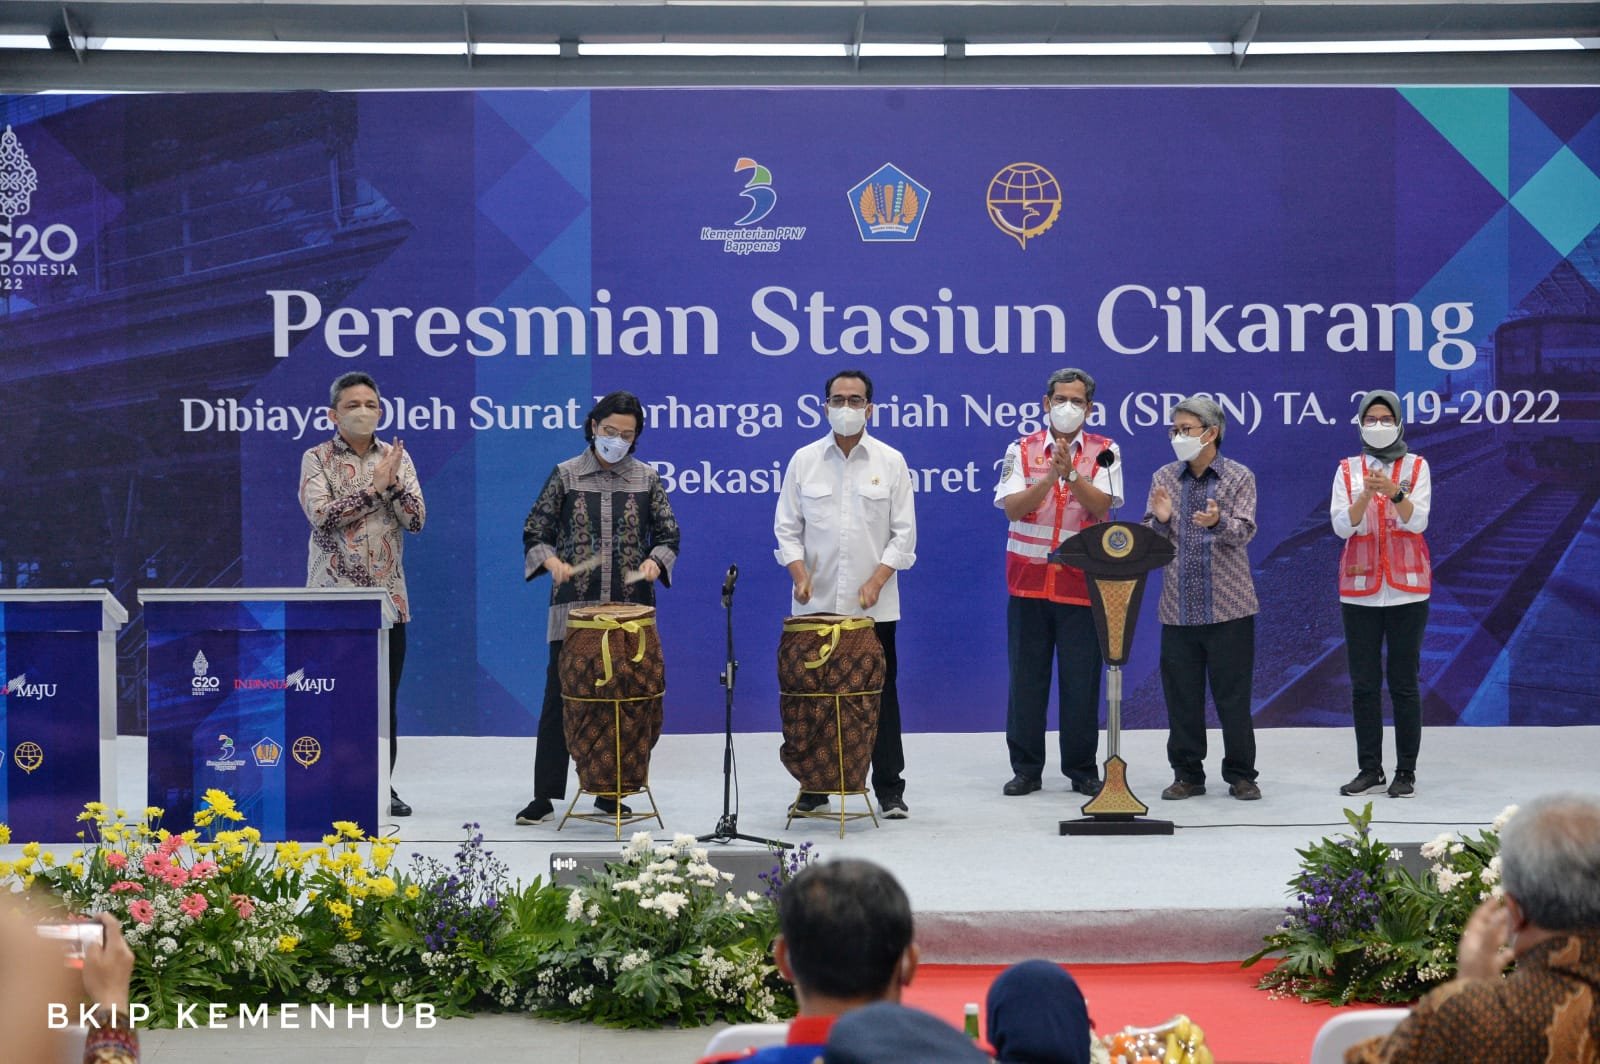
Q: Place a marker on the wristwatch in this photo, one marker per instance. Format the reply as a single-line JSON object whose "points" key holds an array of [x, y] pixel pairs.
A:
{"points": [[1398, 497], [1071, 477]]}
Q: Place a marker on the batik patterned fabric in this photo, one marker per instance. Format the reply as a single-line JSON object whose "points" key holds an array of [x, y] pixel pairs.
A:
{"points": [[1545, 1012], [612, 703], [1208, 581], [357, 534], [830, 682], [620, 515]]}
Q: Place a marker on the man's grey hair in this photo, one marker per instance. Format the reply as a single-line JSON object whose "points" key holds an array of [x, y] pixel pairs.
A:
{"points": [[1209, 413], [1067, 376], [349, 380], [1550, 861]]}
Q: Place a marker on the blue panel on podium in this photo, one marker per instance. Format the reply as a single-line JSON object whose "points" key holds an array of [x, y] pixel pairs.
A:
{"points": [[57, 708], [275, 701]]}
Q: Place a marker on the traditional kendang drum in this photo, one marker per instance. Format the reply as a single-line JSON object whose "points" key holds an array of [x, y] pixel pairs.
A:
{"points": [[613, 680], [830, 677]]}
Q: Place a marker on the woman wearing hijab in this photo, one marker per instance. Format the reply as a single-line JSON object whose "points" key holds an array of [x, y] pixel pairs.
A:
{"points": [[1036, 1015], [1381, 499]]}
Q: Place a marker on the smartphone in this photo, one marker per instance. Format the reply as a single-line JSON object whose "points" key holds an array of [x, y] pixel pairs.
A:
{"points": [[77, 934]]}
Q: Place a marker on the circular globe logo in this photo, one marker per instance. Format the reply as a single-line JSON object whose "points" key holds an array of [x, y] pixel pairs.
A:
{"points": [[1024, 200], [306, 750], [28, 756]]}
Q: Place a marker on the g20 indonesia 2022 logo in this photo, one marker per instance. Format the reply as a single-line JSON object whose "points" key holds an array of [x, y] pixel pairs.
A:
{"points": [[25, 249]]}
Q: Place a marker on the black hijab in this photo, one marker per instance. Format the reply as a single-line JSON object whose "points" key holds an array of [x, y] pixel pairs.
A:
{"points": [[1037, 1015]]}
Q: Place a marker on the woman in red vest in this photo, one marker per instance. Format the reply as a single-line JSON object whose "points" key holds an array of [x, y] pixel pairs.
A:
{"points": [[1381, 499]]}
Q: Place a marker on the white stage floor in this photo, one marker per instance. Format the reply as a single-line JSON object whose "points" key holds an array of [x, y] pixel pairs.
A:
{"points": [[990, 878]]}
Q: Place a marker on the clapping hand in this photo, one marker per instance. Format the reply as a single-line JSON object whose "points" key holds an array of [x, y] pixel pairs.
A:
{"points": [[1161, 504], [387, 472], [1208, 517]]}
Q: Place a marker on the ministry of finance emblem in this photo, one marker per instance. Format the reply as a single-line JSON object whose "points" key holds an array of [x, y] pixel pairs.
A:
{"points": [[267, 753], [889, 205], [1024, 200]]}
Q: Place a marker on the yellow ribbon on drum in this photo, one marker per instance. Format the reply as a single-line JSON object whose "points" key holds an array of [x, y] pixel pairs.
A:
{"points": [[829, 632], [609, 625]]}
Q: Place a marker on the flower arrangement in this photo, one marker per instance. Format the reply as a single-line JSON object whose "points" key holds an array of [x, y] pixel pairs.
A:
{"points": [[659, 939], [1364, 929], [216, 914]]}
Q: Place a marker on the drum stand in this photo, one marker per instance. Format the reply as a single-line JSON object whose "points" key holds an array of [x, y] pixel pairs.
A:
{"points": [[727, 829]]}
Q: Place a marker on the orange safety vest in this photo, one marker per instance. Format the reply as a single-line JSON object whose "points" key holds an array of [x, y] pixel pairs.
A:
{"points": [[1030, 540], [1388, 554]]}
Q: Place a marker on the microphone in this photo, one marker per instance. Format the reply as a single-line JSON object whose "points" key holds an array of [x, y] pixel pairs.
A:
{"points": [[733, 576], [1105, 460]]}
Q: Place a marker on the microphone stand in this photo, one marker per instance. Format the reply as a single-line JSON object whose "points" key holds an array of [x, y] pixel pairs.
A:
{"points": [[727, 829]]}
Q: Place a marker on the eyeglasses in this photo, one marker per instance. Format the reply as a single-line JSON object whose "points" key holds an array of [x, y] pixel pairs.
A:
{"points": [[1057, 400], [1374, 422], [1186, 430], [854, 402], [612, 434]]}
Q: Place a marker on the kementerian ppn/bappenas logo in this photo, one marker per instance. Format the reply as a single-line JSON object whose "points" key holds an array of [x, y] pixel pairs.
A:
{"points": [[751, 237], [26, 250]]}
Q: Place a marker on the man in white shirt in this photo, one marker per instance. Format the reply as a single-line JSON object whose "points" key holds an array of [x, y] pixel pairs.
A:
{"points": [[846, 525]]}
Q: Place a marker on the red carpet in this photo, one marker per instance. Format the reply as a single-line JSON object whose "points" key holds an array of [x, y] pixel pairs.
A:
{"points": [[1242, 1024]]}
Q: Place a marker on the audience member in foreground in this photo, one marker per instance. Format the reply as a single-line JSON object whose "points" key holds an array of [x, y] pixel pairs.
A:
{"points": [[1037, 1015], [34, 975], [1548, 1010], [889, 1033], [844, 941]]}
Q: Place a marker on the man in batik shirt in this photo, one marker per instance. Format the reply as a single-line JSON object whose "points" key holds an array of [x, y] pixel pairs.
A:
{"points": [[360, 494]]}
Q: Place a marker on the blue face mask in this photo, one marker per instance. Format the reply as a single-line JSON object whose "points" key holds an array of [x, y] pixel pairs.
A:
{"points": [[612, 449]]}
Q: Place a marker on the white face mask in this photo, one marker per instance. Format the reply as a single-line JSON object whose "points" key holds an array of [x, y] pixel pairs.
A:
{"points": [[359, 422], [1379, 436], [612, 448], [1066, 417], [846, 421], [1187, 447]]}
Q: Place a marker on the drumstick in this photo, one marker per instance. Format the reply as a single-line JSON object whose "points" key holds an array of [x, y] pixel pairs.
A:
{"points": [[633, 576], [591, 562]]}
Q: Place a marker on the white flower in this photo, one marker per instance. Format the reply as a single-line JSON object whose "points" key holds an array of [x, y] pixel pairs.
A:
{"points": [[574, 907], [684, 843], [1438, 847], [1456, 847], [700, 854], [594, 912], [1448, 879], [633, 960], [1505, 814], [1491, 872], [670, 902], [639, 845]]}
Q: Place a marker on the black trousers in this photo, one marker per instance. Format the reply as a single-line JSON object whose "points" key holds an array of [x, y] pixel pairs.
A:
{"points": [[550, 752], [397, 665], [888, 754], [1039, 634], [1366, 630], [1222, 655]]}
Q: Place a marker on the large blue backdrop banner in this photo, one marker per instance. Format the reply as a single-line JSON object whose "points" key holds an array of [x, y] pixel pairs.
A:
{"points": [[183, 275]]}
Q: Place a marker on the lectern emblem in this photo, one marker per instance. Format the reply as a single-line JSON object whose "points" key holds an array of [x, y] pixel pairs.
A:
{"points": [[28, 756], [1118, 542], [307, 751]]}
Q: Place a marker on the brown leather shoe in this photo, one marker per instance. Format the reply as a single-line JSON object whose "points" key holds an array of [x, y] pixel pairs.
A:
{"points": [[1244, 790], [1182, 789]]}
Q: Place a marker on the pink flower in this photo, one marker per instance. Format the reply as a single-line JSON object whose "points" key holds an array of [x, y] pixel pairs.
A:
{"points": [[171, 845], [243, 904], [193, 905], [153, 863], [173, 874], [203, 870], [117, 859], [126, 886], [142, 911]]}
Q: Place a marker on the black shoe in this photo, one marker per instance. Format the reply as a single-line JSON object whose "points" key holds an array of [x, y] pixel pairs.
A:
{"points": [[808, 803], [608, 806], [1090, 786], [1244, 790], [894, 808], [536, 812], [397, 805], [1365, 780], [1182, 789], [1021, 785], [1404, 785]]}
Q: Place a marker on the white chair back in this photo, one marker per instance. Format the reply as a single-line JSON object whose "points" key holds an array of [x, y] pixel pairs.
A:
{"points": [[1348, 1028], [745, 1035]]}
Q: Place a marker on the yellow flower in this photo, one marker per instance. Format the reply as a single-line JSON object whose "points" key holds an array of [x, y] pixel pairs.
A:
{"points": [[348, 829], [48, 859], [122, 814], [381, 855], [5, 869], [251, 835], [111, 834], [154, 812], [350, 933], [218, 800], [329, 840], [358, 890], [287, 943], [204, 817], [226, 838], [5, 834], [413, 892], [383, 887], [94, 807], [341, 909], [76, 868], [30, 850], [191, 837]]}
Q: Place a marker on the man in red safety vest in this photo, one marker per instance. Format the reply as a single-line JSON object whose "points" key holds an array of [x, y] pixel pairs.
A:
{"points": [[1054, 483]]}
